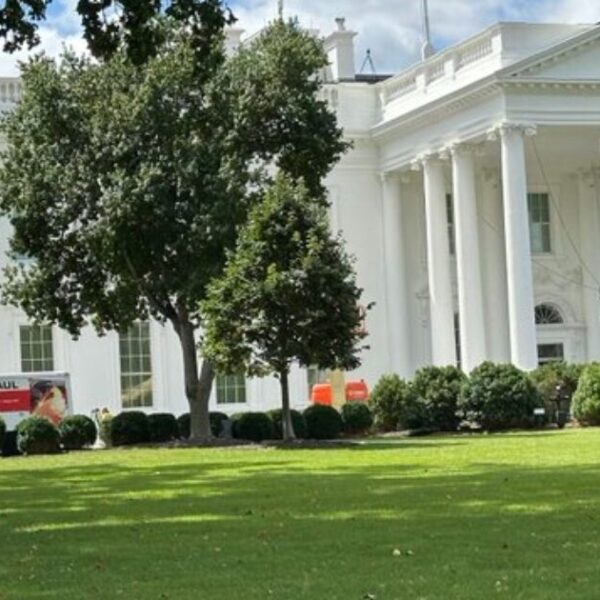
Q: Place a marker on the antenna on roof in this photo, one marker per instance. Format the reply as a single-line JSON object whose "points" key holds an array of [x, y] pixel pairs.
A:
{"points": [[280, 9], [368, 62], [427, 49]]}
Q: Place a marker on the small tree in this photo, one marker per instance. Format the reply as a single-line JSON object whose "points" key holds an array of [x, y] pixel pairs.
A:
{"points": [[288, 294]]}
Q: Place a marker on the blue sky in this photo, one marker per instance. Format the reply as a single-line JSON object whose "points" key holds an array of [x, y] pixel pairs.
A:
{"points": [[390, 28]]}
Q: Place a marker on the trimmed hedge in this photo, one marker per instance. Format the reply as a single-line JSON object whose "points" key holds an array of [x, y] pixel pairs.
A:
{"points": [[216, 424], [394, 407], [2, 433], [357, 417], [436, 391], [253, 426], [76, 432], [130, 428], [323, 422], [163, 427], [37, 435], [298, 422], [499, 397], [586, 401]]}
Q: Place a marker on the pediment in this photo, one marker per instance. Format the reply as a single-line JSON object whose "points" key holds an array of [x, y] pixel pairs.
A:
{"points": [[575, 61]]}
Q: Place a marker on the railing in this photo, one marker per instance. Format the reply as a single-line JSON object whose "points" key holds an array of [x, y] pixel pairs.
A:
{"points": [[10, 90], [435, 67]]}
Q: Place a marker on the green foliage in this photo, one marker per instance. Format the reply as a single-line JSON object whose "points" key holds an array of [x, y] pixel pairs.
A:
{"points": [[393, 405], [586, 401], [323, 422], [298, 423], [130, 428], [163, 427], [437, 390], [37, 435], [357, 417], [111, 24], [253, 426], [499, 396], [77, 432], [557, 382], [216, 424], [288, 292], [2, 433]]}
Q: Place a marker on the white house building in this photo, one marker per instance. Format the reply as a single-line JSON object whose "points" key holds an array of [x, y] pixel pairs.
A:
{"points": [[470, 200]]}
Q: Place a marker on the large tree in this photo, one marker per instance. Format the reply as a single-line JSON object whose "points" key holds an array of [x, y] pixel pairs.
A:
{"points": [[287, 295], [133, 26], [126, 184]]}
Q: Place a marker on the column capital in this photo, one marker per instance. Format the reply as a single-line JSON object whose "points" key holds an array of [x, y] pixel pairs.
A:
{"points": [[505, 128], [427, 158]]}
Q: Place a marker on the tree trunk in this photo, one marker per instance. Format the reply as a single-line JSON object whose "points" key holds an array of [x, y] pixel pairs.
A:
{"points": [[197, 389], [286, 415]]}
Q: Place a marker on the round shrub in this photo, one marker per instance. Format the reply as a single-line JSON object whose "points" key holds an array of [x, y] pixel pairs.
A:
{"points": [[253, 426], [323, 422], [394, 407], [130, 428], [499, 396], [357, 417], [556, 383], [216, 424], [37, 435], [436, 391], [163, 427], [2, 433], [586, 401], [297, 421], [76, 432]]}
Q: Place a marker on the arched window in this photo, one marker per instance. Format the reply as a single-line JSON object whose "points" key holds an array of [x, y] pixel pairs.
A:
{"points": [[546, 314]]}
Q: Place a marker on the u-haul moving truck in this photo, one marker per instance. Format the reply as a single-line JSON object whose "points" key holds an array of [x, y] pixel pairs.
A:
{"points": [[44, 394]]}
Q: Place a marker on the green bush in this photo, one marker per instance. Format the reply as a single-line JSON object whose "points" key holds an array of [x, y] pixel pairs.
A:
{"points": [[253, 426], [163, 427], [2, 433], [394, 407], [586, 401], [130, 428], [37, 435], [216, 424], [499, 396], [556, 383], [76, 432], [297, 421], [357, 417], [323, 422], [436, 391]]}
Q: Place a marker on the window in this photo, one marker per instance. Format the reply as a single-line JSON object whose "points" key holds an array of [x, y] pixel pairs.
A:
{"points": [[450, 217], [315, 375], [231, 389], [36, 348], [136, 366], [548, 353], [546, 314], [539, 223]]}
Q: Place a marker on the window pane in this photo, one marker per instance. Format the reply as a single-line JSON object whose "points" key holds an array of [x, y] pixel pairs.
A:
{"points": [[550, 353], [36, 348], [231, 389], [136, 366], [539, 223]]}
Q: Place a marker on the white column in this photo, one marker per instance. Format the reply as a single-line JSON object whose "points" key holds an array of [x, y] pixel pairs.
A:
{"points": [[523, 342], [395, 275], [468, 267], [589, 228], [443, 343]]}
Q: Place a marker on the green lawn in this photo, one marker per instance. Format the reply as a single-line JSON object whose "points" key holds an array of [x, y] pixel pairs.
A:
{"points": [[514, 516]]}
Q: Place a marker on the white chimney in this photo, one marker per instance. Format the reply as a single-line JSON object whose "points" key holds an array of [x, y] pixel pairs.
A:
{"points": [[340, 50]]}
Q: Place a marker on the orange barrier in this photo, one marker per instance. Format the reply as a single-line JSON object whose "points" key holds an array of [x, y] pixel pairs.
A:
{"points": [[321, 393], [357, 391]]}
